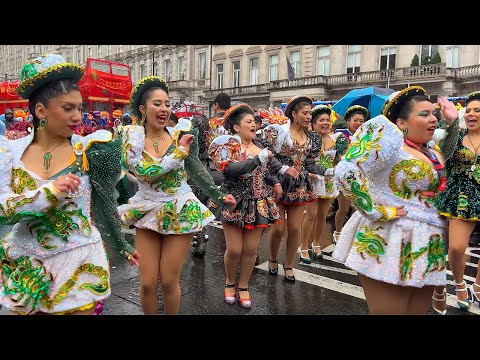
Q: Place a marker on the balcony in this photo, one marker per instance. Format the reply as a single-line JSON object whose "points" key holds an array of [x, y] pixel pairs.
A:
{"points": [[424, 73], [466, 73], [391, 77], [304, 81], [250, 90], [181, 84]]}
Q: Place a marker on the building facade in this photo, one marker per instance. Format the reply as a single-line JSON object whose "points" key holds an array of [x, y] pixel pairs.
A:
{"points": [[266, 75]]}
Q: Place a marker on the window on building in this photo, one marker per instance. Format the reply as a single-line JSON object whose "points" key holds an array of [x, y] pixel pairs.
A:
{"points": [[131, 47], [77, 57], [353, 58], [142, 71], [154, 68], [202, 65], [236, 73], [323, 60], [89, 51], [99, 51], [296, 63], [452, 56], [273, 67], [168, 69], [119, 48], [68, 56], [109, 49], [254, 71], [219, 76], [181, 68], [428, 52], [388, 56]]}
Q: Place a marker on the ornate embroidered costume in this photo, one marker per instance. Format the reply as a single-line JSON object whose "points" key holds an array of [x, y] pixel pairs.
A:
{"points": [[377, 175], [461, 199], [54, 260], [249, 180], [327, 189], [292, 154], [164, 202]]}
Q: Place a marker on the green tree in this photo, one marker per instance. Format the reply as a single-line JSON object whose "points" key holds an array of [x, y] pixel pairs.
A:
{"points": [[436, 59], [415, 61]]}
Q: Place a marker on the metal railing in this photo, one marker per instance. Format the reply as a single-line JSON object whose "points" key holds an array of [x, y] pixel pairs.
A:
{"points": [[241, 90]]}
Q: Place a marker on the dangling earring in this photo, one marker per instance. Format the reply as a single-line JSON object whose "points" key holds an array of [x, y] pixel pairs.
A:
{"points": [[142, 121], [405, 133], [42, 124]]}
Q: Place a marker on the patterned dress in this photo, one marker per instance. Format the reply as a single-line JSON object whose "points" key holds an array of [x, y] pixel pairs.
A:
{"points": [[461, 199], [249, 180], [327, 189], [291, 154], [165, 202], [376, 174], [53, 259]]}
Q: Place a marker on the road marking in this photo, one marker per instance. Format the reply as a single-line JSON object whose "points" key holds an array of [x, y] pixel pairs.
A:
{"points": [[330, 268], [347, 288], [321, 281]]}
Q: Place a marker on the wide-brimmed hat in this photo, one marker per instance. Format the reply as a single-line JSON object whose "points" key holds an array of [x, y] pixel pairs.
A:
{"points": [[354, 108], [294, 101], [142, 86], [44, 69], [234, 111], [117, 114], [321, 109], [395, 100], [472, 96]]}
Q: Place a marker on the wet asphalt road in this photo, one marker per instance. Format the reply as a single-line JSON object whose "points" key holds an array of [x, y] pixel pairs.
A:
{"points": [[324, 287]]}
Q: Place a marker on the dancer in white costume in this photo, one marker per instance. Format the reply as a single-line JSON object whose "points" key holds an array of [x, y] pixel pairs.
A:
{"points": [[59, 190], [396, 239], [165, 211]]}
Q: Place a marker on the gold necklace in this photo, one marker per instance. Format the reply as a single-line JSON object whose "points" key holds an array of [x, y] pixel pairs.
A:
{"points": [[155, 142], [47, 157], [474, 166]]}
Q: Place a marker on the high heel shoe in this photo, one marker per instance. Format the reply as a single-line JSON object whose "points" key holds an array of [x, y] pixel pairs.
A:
{"points": [[288, 277], [473, 293], [230, 299], [439, 297], [315, 255], [463, 304], [336, 235], [273, 271], [245, 303], [305, 260]]}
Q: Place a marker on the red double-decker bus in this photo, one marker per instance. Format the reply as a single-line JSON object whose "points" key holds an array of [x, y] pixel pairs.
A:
{"points": [[9, 98], [106, 85]]}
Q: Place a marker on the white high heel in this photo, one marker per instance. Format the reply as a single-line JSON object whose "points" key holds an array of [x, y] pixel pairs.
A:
{"points": [[303, 259], [474, 293], [439, 297], [317, 255], [464, 304]]}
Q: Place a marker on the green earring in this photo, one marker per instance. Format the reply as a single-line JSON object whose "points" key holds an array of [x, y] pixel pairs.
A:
{"points": [[143, 120], [42, 124], [405, 133]]}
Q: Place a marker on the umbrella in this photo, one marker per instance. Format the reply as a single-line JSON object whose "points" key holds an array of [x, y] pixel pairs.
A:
{"points": [[371, 98]]}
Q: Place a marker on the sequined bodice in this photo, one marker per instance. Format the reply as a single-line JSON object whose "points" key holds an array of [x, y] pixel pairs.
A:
{"points": [[149, 171]]}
